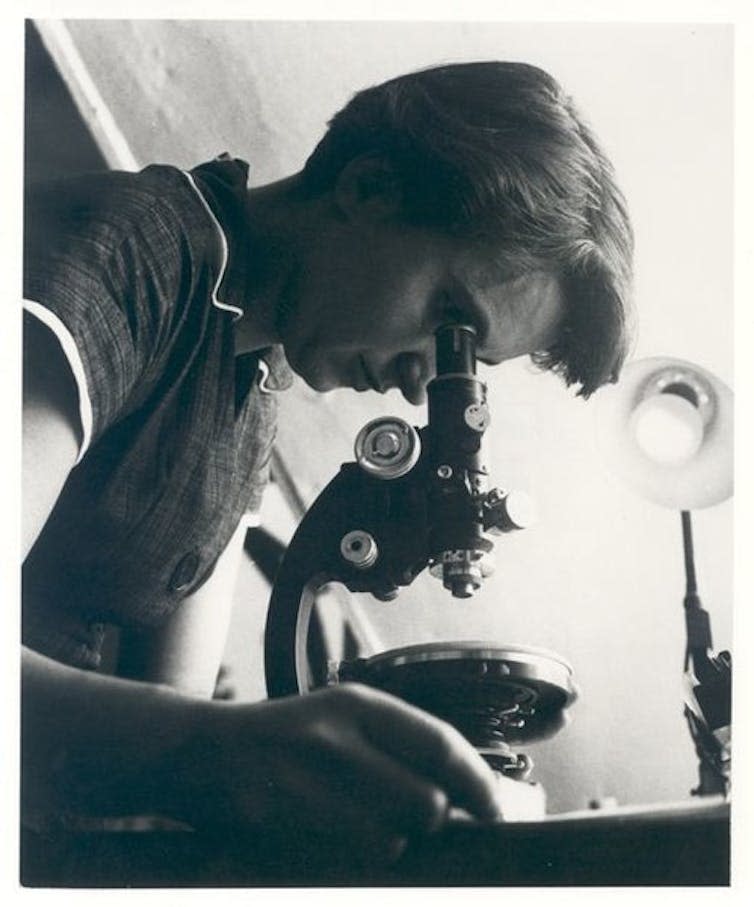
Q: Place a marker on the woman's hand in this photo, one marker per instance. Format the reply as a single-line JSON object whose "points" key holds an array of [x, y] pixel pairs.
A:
{"points": [[347, 764]]}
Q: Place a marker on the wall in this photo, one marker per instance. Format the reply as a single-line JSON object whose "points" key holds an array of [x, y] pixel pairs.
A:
{"points": [[50, 111], [599, 580]]}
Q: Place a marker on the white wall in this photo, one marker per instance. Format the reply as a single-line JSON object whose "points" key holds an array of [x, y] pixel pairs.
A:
{"points": [[599, 580]]}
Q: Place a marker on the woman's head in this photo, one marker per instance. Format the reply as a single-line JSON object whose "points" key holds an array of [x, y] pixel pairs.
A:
{"points": [[496, 152]]}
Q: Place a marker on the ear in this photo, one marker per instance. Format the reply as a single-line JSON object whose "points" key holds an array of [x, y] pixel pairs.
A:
{"points": [[368, 190]]}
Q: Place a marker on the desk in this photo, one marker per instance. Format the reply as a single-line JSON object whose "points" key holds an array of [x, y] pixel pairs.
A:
{"points": [[681, 844]]}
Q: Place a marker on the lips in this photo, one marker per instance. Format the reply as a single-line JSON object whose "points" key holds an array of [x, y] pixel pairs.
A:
{"points": [[371, 377]]}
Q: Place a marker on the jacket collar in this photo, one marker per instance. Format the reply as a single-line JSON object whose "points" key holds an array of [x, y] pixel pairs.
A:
{"points": [[222, 187]]}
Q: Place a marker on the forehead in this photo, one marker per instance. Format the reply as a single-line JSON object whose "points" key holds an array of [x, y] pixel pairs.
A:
{"points": [[520, 315]]}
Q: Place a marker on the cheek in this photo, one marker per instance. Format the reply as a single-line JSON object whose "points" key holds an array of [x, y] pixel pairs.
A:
{"points": [[373, 304], [374, 316]]}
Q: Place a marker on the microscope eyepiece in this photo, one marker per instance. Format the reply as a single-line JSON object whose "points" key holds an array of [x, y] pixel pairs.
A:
{"points": [[458, 417], [455, 346]]}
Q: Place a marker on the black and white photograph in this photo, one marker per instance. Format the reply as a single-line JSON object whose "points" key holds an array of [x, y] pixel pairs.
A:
{"points": [[375, 470]]}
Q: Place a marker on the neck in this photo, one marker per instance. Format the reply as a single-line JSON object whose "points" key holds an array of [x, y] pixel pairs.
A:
{"points": [[274, 211]]}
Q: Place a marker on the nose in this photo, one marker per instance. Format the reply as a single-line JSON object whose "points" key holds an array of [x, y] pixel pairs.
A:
{"points": [[413, 371]]}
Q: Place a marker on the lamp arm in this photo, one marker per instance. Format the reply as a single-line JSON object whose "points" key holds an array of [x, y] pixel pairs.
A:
{"points": [[707, 705]]}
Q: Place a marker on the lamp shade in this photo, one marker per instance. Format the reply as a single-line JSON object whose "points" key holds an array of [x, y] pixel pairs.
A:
{"points": [[666, 429]]}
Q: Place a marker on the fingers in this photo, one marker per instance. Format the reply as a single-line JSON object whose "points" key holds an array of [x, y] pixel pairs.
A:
{"points": [[355, 762], [393, 793], [325, 811], [431, 750], [313, 748]]}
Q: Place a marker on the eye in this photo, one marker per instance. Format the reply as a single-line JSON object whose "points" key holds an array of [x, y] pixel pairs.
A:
{"points": [[458, 306], [452, 313]]}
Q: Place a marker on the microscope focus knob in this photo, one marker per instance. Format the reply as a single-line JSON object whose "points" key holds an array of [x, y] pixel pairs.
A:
{"points": [[387, 448], [359, 548], [507, 511]]}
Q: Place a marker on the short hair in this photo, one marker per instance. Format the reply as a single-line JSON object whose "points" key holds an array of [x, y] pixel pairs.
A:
{"points": [[497, 151]]}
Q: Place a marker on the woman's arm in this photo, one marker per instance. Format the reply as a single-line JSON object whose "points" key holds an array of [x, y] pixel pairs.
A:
{"points": [[186, 651], [348, 763], [51, 427], [93, 745], [70, 716]]}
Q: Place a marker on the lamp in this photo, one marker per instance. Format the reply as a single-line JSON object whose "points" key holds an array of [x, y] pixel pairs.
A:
{"points": [[666, 429]]}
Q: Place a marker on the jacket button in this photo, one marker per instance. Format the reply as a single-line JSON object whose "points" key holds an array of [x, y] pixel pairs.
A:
{"points": [[184, 572]]}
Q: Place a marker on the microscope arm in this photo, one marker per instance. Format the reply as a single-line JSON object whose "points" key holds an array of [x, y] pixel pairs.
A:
{"points": [[364, 532]]}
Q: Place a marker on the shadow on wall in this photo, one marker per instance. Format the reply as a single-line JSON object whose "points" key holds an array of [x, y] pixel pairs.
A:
{"points": [[49, 112]]}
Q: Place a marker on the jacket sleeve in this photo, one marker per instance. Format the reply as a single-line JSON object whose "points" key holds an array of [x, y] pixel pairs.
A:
{"points": [[110, 261]]}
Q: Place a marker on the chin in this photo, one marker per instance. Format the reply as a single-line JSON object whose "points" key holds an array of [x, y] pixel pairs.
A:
{"points": [[319, 372], [319, 382]]}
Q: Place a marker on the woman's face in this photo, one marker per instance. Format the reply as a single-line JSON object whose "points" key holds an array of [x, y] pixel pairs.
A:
{"points": [[367, 300]]}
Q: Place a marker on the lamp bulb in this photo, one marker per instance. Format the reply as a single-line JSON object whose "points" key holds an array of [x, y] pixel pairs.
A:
{"points": [[668, 428]]}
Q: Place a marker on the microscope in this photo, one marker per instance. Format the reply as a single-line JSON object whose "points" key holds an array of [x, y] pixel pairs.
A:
{"points": [[417, 499]]}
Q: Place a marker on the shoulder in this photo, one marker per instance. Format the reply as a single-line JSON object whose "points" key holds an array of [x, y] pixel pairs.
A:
{"points": [[97, 212], [117, 265], [135, 242]]}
